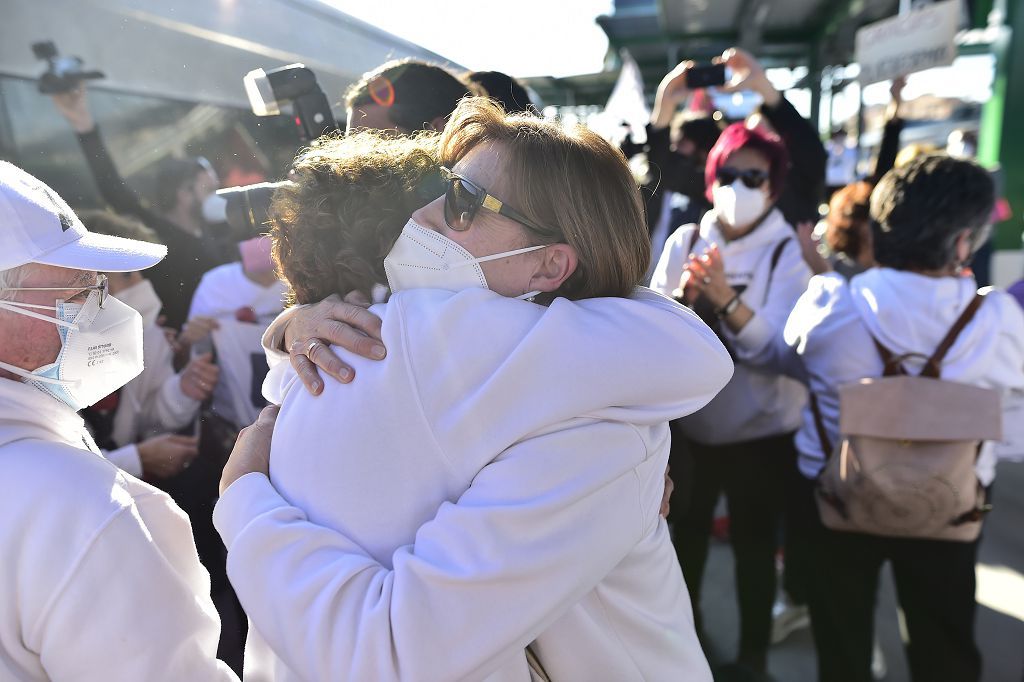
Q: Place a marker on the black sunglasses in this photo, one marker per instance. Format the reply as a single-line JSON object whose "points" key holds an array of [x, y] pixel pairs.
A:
{"points": [[752, 177], [463, 199]]}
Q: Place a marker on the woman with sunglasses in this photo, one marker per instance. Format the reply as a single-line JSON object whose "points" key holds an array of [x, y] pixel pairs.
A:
{"points": [[495, 483], [741, 269]]}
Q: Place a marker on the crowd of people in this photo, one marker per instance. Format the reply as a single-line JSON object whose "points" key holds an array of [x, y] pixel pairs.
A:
{"points": [[467, 409]]}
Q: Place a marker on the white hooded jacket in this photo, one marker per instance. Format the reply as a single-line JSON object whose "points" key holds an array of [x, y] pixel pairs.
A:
{"points": [[99, 573], [495, 481], [758, 402], [832, 326]]}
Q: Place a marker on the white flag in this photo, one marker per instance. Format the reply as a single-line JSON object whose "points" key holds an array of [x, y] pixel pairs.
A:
{"points": [[626, 104]]}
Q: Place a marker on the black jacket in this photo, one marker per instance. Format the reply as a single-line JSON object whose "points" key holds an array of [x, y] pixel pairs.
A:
{"points": [[176, 277], [805, 182]]}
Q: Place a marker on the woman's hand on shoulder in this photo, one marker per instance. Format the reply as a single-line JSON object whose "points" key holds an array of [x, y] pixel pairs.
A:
{"points": [[312, 330]]}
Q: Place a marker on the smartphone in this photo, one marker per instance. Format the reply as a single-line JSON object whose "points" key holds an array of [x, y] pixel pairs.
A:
{"points": [[705, 76]]}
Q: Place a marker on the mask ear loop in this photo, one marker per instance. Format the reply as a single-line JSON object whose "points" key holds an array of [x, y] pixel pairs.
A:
{"points": [[17, 308], [35, 377]]}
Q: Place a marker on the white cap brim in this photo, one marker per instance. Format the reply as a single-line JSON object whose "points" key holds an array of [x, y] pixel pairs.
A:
{"points": [[104, 253]]}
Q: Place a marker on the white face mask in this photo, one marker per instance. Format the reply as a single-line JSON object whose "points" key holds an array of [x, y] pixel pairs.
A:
{"points": [[143, 298], [739, 205], [101, 350], [425, 259]]}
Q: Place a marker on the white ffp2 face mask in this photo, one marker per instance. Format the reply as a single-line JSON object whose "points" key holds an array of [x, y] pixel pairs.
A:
{"points": [[739, 205], [425, 259], [101, 350]]}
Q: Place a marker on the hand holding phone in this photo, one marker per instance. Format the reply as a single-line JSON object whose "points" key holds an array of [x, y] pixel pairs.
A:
{"points": [[705, 76]]}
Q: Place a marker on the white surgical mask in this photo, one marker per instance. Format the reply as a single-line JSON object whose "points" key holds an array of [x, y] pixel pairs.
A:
{"points": [[425, 259], [101, 350], [144, 299], [738, 204]]}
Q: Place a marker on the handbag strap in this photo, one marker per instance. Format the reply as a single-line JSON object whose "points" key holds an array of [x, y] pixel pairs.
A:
{"points": [[819, 425]]}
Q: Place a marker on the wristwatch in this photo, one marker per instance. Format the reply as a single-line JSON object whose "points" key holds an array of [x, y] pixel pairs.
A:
{"points": [[729, 308]]}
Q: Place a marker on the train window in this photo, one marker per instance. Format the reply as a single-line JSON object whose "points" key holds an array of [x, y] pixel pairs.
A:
{"points": [[139, 131]]}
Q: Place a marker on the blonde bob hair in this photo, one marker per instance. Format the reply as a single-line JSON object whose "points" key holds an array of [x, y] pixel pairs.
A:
{"points": [[568, 179]]}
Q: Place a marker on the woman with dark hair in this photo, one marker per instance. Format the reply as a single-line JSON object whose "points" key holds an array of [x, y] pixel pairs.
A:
{"points": [[494, 484], [177, 217], [742, 270], [927, 218]]}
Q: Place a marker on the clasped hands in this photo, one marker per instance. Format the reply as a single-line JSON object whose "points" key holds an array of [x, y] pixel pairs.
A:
{"points": [[704, 274]]}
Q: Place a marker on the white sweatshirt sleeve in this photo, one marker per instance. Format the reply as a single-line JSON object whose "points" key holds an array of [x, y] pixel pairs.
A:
{"points": [[760, 342], [128, 610], [273, 337], [539, 528], [126, 459], [164, 406], [673, 261]]}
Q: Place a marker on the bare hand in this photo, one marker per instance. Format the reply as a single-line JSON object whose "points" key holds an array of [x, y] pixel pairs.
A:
{"points": [[672, 91], [348, 324], [73, 106], [196, 329], [199, 377], [707, 276], [667, 495], [251, 453], [896, 90], [165, 456], [747, 74], [809, 248]]}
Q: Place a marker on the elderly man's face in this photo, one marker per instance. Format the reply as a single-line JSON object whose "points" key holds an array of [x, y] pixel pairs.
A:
{"points": [[30, 343]]}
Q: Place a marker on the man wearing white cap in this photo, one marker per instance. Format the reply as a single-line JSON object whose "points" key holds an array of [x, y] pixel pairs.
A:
{"points": [[98, 570]]}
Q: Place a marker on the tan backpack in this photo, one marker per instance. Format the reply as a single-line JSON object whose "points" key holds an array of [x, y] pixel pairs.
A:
{"points": [[904, 466]]}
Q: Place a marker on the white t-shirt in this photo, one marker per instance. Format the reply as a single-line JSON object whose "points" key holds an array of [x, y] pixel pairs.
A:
{"points": [[221, 294]]}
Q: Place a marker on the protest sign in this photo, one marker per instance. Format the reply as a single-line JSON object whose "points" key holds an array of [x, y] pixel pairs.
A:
{"points": [[916, 41]]}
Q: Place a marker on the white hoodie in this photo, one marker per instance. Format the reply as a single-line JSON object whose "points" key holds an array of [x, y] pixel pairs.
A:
{"points": [[496, 480], [832, 325], [758, 402], [99, 573]]}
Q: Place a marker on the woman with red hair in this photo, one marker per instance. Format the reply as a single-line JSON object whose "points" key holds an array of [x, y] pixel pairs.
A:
{"points": [[741, 270]]}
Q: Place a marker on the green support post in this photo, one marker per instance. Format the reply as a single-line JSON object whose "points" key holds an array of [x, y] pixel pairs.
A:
{"points": [[1001, 138]]}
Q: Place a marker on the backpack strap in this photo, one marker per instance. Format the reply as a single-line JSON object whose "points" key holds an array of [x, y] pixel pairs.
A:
{"points": [[776, 256], [893, 363], [693, 240], [933, 367]]}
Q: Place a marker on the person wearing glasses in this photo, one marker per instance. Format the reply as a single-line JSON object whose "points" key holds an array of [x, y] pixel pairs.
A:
{"points": [[741, 269], [99, 571], [134, 425], [495, 483], [177, 215]]}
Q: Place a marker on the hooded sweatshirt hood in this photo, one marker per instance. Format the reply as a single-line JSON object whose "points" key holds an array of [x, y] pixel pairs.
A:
{"points": [[906, 312]]}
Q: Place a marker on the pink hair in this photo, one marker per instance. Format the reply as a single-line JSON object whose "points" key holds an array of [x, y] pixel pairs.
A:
{"points": [[737, 137]]}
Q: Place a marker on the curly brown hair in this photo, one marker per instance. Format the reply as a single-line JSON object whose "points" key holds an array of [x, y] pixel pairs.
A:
{"points": [[347, 203], [847, 222]]}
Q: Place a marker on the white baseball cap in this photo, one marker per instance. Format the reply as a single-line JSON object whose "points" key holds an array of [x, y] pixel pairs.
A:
{"points": [[37, 226]]}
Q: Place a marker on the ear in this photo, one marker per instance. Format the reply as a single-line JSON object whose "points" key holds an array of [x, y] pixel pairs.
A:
{"points": [[557, 263], [963, 247]]}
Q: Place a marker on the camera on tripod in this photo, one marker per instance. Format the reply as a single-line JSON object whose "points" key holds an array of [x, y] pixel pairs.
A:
{"points": [[63, 73]]}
